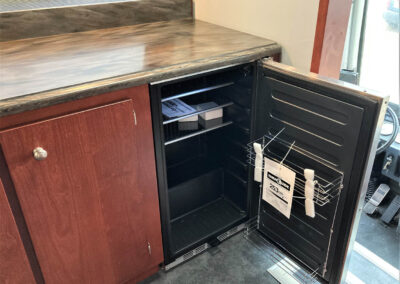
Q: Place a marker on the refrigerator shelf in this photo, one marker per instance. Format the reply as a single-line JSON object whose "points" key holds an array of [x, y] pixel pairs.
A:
{"points": [[197, 91], [173, 135], [220, 105]]}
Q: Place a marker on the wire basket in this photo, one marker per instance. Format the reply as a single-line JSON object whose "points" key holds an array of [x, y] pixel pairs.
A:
{"points": [[328, 181], [279, 258]]}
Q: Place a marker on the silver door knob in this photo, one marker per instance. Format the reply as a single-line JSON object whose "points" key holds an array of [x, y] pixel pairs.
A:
{"points": [[39, 153]]}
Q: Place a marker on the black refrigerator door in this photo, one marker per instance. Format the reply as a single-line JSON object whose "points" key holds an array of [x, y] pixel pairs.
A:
{"points": [[338, 125]]}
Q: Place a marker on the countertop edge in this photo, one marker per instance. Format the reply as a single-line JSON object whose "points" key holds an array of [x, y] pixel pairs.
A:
{"points": [[66, 94]]}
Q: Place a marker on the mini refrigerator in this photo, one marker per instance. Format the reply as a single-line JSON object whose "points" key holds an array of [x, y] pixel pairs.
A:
{"points": [[302, 121]]}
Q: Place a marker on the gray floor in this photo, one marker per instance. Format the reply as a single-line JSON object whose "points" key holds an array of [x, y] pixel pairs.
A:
{"points": [[234, 261], [238, 260], [383, 241], [379, 238]]}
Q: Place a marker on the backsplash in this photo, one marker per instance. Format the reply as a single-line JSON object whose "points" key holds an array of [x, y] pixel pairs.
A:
{"points": [[44, 22]]}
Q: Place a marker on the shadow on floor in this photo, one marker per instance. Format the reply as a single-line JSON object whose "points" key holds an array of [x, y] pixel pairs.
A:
{"points": [[237, 260], [234, 261]]}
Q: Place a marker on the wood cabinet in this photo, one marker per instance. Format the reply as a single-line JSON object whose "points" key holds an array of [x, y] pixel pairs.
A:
{"points": [[14, 264], [89, 196]]}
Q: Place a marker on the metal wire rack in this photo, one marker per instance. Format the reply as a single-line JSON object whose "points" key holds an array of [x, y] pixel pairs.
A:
{"points": [[277, 256], [328, 181]]}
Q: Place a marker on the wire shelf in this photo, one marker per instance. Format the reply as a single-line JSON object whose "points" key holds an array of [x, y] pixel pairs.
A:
{"points": [[328, 181], [277, 256]]}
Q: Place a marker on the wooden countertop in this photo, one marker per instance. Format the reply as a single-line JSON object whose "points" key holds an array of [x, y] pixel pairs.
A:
{"points": [[44, 71]]}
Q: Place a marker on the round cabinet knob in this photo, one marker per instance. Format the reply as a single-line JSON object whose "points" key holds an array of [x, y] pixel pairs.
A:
{"points": [[39, 153]]}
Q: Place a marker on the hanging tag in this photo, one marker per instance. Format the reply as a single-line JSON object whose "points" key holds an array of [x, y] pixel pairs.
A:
{"points": [[258, 163], [309, 192], [278, 186]]}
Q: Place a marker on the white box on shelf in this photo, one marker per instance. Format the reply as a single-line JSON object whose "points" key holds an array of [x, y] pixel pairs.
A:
{"points": [[212, 114], [190, 118], [189, 123]]}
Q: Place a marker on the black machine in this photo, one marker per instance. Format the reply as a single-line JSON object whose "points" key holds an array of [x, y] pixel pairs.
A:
{"points": [[390, 145], [386, 171], [205, 173]]}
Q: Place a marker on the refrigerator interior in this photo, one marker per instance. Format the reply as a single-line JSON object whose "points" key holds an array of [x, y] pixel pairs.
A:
{"points": [[206, 168]]}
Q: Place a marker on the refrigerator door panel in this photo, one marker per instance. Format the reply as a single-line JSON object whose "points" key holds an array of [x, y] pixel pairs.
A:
{"points": [[331, 122]]}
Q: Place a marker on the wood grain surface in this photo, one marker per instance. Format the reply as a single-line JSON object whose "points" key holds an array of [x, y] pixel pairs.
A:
{"points": [[14, 264], [319, 35], [92, 206], [330, 37], [335, 36]]}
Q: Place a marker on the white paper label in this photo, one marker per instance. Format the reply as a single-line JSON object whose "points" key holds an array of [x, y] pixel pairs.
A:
{"points": [[278, 186], [176, 107]]}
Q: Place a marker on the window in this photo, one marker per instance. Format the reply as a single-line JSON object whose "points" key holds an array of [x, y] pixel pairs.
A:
{"points": [[372, 47]]}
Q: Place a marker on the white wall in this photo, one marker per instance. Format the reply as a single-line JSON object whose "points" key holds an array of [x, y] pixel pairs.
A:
{"points": [[291, 23]]}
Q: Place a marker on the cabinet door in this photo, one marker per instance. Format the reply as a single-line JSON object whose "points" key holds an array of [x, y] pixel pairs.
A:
{"points": [[91, 206], [336, 125], [14, 264]]}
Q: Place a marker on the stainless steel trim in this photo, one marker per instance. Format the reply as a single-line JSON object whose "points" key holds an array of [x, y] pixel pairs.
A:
{"points": [[364, 185], [322, 80]]}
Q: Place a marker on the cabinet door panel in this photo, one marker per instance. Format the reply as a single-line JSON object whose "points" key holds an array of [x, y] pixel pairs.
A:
{"points": [[14, 264], [91, 206]]}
